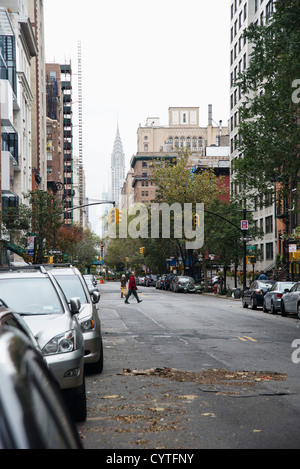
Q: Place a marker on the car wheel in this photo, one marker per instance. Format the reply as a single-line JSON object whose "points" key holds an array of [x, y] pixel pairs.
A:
{"points": [[244, 304], [273, 310], [264, 307], [253, 303], [98, 366], [298, 310], [282, 308], [78, 403]]}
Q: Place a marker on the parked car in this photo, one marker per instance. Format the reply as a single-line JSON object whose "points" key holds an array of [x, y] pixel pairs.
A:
{"points": [[37, 297], [168, 281], [73, 285], [32, 412], [272, 299], [215, 279], [254, 296], [193, 287], [181, 283], [140, 280], [151, 280], [90, 277], [90, 283], [290, 302], [160, 282]]}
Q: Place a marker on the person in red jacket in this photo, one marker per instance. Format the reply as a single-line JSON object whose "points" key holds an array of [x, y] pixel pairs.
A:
{"points": [[132, 289]]}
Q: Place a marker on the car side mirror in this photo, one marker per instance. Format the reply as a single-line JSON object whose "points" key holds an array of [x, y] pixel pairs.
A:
{"points": [[95, 296], [286, 290], [75, 305]]}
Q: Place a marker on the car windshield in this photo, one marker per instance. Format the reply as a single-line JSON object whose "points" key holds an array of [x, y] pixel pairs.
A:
{"points": [[183, 279], [72, 287], [282, 286], [30, 295]]}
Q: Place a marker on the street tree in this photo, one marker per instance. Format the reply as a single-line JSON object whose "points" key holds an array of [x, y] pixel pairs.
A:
{"points": [[176, 183]]}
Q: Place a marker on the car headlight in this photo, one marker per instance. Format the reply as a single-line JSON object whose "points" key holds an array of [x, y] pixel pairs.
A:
{"points": [[62, 343], [87, 325]]}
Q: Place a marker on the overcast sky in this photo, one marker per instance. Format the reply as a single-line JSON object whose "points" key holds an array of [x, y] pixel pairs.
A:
{"points": [[138, 59]]}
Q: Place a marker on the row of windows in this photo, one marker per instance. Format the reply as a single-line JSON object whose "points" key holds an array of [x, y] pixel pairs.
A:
{"points": [[194, 143]]}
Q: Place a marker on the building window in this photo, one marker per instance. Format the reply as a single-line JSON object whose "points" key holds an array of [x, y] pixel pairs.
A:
{"points": [[269, 224], [269, 251], [194, 144]]}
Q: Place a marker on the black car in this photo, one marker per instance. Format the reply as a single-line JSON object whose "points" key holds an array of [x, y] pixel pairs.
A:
{"points": [[32, 412], [151, 280], [161, 282], [254, 296], [168, 281]]}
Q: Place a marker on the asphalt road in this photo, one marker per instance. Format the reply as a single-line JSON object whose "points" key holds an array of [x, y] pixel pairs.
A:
{"points": [[186, 371]]}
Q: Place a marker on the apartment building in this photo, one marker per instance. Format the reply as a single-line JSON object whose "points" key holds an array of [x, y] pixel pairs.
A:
{"points": [[38, 88], [55, 129], [243, 13], [17, 47], [164, 142]]}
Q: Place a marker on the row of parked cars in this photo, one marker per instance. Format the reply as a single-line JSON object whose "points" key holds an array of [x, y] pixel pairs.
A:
{"points": [[273, 296], [50, 335], [178, 283]]}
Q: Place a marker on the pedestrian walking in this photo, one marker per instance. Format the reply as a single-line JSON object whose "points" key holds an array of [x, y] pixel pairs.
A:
{"points": [[123, 286], [132, 288]]}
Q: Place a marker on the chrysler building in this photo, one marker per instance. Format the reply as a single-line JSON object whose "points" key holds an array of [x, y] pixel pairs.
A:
{"points": [[117, 168]]}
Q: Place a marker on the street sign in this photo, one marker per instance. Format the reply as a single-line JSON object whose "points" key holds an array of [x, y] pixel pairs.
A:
{"points": [[30, 245], [251, 248], [292, 247], [244, 224], [53, 251]]}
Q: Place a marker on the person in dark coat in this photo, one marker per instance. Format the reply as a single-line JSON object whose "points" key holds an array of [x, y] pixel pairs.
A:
{"points": [[132, 288], [262, 276]]}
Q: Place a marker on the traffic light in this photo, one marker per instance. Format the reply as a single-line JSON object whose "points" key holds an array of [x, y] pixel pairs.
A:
{"points": [[101, 247], [196, 220], [112, 215], [126, 259], [142, 250], [117, 215]]}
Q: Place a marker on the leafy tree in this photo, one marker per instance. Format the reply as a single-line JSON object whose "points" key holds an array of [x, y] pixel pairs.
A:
{"points": [[45, 219], [222, 234], [269, 131], [176, 183]]}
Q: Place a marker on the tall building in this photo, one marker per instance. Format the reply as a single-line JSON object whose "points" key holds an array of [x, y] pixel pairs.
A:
{"points": [[244, 13], [38, 87], [17, 48], [164, 142], [55, 129], [117, 168]]}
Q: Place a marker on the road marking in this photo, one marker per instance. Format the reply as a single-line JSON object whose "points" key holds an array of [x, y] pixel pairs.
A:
{"points": [[250, 338], [245, 338]]}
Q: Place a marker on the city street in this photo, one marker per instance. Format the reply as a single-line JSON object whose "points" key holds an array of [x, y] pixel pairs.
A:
{"points": [[188, 371]]}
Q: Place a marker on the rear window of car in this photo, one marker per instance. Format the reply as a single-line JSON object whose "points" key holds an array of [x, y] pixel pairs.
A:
{"points": [[30, 295], [72, 287]]}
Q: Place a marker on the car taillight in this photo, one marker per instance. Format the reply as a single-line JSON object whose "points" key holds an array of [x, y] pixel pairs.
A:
{"points": [[279, 295], [179, 283], [258, 291]]}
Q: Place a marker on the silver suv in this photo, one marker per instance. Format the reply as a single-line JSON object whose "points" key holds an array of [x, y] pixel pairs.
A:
{"points": [[73, 285], [36, 295]]}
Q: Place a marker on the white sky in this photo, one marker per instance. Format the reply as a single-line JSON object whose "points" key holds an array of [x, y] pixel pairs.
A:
{"points": [[138, 59]]}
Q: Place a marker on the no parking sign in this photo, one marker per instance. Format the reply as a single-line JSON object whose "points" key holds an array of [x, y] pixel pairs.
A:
{"points": [[244, 224]]}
